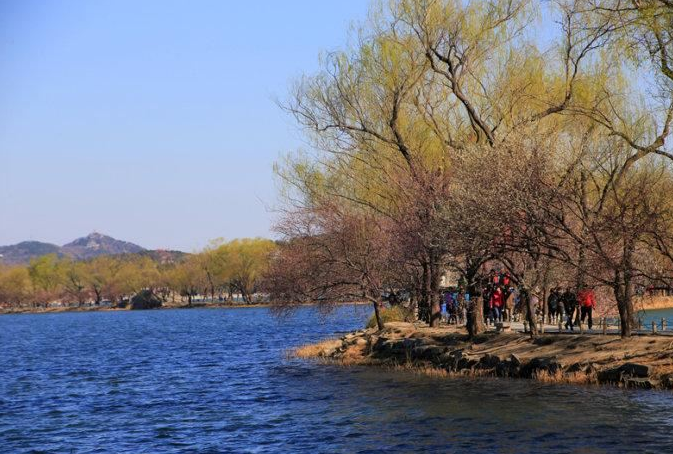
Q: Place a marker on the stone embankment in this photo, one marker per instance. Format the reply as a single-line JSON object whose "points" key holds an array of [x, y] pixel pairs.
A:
{"points": [[644, 362]]}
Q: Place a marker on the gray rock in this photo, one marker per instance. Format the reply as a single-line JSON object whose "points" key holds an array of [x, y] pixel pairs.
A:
{"points": [[515, 360], [623, 373], [449, 360], [535, 365], [145, 299], [466, 363], [427, 352], [507, 368], [585, 368], [635, 370], [488, 361], [503, 327], [667, 381], [544, 340], [641, 383], [610, 375]]}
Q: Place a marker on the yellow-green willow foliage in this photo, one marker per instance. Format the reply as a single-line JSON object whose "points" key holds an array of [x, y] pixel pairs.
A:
{"points": [[216, 272]]}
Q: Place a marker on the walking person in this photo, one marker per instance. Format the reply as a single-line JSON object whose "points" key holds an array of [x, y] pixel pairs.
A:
{"points": [[560, 306], [496, 303], [553, 304], [570, 305], [587, 301], [445, 308], [486, 296]]}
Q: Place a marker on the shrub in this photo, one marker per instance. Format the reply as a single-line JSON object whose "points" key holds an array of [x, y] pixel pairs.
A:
{"points": [[393, 314]]}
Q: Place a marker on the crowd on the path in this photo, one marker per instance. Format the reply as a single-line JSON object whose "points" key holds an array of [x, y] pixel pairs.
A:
{"points": [[504, 301]]}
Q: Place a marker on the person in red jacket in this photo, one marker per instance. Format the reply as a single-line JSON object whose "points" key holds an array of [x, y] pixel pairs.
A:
{"points": [[587, 301], [496, 303]]}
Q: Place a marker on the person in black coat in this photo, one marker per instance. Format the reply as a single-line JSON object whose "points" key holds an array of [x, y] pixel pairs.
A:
{"points": [[570, 304]]}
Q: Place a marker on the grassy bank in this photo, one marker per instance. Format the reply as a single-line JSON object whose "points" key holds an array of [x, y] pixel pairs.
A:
{"points": [[656, 302], [641, 362]]}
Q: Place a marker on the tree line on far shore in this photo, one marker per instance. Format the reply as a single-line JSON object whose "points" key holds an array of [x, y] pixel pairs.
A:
{"points": [[458, 135], [218, 272]]}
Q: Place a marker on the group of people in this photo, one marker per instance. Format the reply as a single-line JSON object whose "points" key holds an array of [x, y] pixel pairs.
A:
{"points": [[575, 308], [504, 301]]}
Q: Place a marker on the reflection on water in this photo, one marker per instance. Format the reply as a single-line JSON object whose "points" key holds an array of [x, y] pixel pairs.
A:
{"points": [[218, 381]]}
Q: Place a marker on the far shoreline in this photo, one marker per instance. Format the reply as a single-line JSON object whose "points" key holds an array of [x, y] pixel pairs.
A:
{"points": [[60, 310], [643, 303]]}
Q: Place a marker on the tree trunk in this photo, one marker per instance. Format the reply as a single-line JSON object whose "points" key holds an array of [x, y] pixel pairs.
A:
{"points": [[424, 301], [435, 297], [624, 297], [530, 312], [211, 286], [377, 313], [246, 296], [580, 280], [413, 303], [475, 316], [544, 296]]}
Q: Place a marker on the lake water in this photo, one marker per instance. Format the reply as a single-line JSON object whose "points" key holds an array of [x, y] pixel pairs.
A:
{"points": [[219, 381], [656, 316]]}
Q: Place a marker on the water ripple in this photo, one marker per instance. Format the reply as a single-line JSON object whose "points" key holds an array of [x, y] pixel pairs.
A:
{"points": [[208, 381]]}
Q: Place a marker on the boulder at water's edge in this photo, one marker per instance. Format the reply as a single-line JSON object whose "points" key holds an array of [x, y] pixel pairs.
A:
{"points": [[145, 300]]}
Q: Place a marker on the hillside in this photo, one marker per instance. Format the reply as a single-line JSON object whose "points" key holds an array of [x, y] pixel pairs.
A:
{"points": [[84, 248], [22, 252], [96, 244]]}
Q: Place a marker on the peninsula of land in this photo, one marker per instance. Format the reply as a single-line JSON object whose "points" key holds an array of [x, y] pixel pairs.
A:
{"points": [[643, 361]]}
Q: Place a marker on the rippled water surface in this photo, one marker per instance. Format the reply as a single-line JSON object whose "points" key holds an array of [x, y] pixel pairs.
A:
{"points": [[218, 381]]}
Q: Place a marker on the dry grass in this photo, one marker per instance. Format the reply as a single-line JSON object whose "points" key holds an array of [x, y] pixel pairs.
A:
{"points": [[576, 378], [315, 350], [655, 302], [432, 372], [426, 370]]}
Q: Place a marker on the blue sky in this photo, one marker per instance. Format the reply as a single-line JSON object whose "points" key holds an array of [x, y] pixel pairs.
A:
{"points": [[151, 121]]}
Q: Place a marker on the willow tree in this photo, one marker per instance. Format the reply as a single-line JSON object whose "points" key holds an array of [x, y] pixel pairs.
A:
{"points": [[423, 81], [640, 36], [188, 278], [100, 275], [244, 263], [46, 278], [15, 285]]}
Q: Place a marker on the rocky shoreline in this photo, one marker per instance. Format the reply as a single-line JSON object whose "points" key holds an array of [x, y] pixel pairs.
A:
{"points": [[643, 362]]}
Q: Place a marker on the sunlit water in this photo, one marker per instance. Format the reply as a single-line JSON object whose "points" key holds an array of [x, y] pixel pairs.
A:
{"points": [[219, 381]]}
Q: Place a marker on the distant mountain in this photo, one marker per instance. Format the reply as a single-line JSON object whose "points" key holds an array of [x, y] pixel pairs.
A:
{"points": [[26, 250], [96, 244], [84, 248]]}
